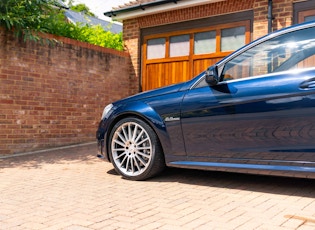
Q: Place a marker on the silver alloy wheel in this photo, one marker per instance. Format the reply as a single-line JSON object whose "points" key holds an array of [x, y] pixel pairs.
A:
{"points": [[131, 148]]}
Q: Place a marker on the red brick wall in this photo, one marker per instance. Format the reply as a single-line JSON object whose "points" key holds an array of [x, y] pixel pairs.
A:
{"points": [[283, 13], [53, 95], [260, 23]]}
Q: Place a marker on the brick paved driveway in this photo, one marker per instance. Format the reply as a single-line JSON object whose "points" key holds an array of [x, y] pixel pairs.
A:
{"points": [[72, 189]]}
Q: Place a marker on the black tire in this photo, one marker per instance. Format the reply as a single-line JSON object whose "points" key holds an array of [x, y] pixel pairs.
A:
{"points": [[135, 150]]}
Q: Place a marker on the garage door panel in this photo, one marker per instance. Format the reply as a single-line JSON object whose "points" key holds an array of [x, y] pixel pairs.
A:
{"points": [[203, 64], [162, 74]]}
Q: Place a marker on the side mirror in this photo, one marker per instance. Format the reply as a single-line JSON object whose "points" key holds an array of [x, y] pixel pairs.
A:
{"points": [[212, 76]]}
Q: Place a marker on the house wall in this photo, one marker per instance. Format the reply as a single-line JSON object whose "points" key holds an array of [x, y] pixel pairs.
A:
{"points": [[282, 12], [54, 95]]}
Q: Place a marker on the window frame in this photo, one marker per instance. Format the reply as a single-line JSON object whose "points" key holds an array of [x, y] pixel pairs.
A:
{"points": [[191, 33], [304, 14]]}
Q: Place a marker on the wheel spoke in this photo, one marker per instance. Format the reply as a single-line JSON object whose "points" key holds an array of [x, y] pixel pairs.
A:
{"points": [[119, 149], [144, 155], [139, 136], [129, 131], [122, 138], [143, 162], [119, 143], [144, 148], [124, 132], [134, 133], [121, 155], [142, 141], [137, 164], [132, 165], [127, 164]]}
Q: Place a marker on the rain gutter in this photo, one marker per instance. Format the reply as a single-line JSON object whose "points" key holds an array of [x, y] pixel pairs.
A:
{"points": [[154, 7], [138, 7]]}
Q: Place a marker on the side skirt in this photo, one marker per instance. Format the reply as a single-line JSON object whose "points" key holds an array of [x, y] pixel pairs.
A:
{"points": [[276, 170]]}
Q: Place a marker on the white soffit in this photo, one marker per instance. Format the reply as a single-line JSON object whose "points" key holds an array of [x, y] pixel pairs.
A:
{"points": [[162, 8]]}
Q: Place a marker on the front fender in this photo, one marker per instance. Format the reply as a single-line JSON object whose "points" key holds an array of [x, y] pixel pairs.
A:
{"points": [[136, 109]]}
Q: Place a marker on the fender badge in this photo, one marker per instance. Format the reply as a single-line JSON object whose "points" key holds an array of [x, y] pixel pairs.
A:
{"points": [[171, 119]]}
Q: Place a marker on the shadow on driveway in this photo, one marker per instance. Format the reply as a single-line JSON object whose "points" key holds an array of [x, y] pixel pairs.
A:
{"points": [[64, 155], [255, 183]]}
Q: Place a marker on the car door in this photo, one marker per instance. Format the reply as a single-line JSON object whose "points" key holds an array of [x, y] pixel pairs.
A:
{"points": [[263, 110]]}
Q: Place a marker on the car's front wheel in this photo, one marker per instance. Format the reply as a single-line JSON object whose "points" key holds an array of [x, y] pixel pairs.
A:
{"points": [[135, 150]]}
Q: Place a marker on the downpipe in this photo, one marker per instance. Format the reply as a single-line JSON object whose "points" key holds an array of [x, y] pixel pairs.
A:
{"points": [[270, 16]]}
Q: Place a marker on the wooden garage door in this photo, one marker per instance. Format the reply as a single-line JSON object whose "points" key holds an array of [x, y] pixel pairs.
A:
{"points": [[179, 56]]}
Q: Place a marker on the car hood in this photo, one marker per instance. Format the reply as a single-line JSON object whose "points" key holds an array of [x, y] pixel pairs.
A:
{"points": [[153, 93]]}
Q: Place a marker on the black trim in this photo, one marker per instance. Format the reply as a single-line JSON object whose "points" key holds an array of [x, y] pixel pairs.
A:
{"points": [[138, 7]]}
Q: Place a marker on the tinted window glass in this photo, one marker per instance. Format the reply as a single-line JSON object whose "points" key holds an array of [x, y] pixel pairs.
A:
{"points": [[156, 48], [288, 51], [179, 45], [205, 42], [309, 18], [232, 38]]}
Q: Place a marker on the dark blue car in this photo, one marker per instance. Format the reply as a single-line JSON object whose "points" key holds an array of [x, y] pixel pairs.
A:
{"points": [[252, 112]]}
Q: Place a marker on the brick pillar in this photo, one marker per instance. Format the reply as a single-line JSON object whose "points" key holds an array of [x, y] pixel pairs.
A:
{"points": [[131, 37], [283, 13], [260, 25]]}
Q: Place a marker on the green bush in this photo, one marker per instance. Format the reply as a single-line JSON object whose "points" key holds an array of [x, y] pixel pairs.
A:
{"points": [[30, 17], [82, 8], [26, 17]]}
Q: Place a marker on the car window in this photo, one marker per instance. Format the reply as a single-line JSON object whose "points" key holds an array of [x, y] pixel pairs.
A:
{"points": [[291, 50]]}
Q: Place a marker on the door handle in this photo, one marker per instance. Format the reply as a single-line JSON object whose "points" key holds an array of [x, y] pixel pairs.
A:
{"points": [[308, 84]]}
